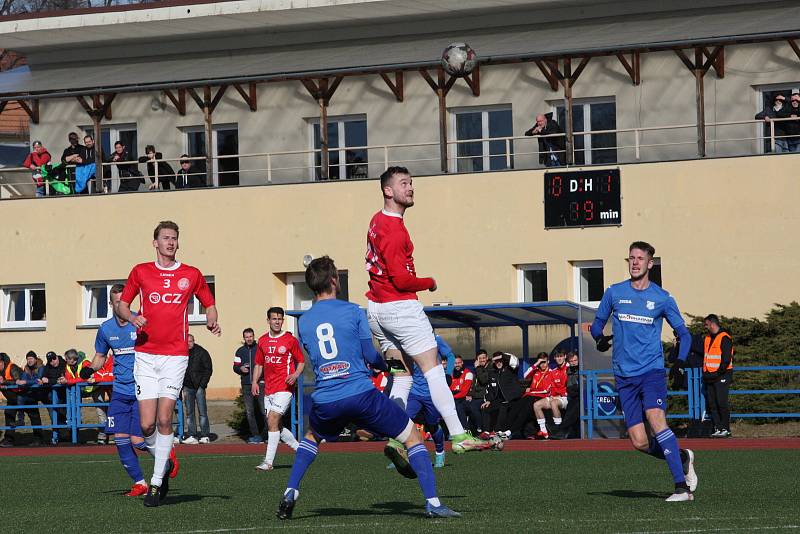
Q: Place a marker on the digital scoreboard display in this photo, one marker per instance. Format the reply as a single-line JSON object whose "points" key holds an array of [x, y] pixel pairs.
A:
{"points": [[582, 198]]}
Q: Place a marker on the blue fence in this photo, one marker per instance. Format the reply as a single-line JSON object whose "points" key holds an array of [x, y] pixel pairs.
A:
{"points": [[600, 400]]}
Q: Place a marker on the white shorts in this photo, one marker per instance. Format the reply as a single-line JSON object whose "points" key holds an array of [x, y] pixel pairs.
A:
{"points": [[402, 325], [159, 376], [562, 401], [277, 402]]}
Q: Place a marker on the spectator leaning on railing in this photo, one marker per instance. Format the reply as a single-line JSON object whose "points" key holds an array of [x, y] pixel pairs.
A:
{"points": [[166, 174], [187, 176], [551, 149], [792, 127], [53, 374], [28, 378], [74, 154], [37, 159], [129, 176], [9, 374], [772, 112]]}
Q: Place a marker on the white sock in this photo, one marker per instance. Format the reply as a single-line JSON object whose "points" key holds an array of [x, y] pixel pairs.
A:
{"points": [[435, 501], [401, 386], [273, 438], [296, 493], [442, 399], [140, 481], [557, 420], [161, 456], [288, 438], [150, 442], [542, 425]]}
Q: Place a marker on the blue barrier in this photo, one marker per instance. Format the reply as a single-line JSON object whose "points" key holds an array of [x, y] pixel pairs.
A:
{"points": [[695, 394]]}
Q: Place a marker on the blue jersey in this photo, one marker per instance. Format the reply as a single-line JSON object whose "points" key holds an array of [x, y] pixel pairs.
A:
{"points": [[637, 320], [120, 340], [419, 384], [335, 333]]}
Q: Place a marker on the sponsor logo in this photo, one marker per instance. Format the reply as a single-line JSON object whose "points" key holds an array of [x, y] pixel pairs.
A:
{"points": [[667, 451], [273, 359], [606, 399], [630, 318], [625, 301], [166, 298], [334, 369], [170, 275], [651, 305], [281, 350], [155, 298], [183, 284], [172, 387]]}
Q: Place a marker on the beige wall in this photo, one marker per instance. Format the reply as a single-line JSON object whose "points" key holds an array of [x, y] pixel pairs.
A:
{"points": [[720, 226]]}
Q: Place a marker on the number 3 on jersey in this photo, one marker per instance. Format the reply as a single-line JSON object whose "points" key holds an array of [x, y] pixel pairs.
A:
{"points": [[326, 342]]}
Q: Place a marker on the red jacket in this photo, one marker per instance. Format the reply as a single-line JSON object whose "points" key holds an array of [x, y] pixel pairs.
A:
{"points": [[37, 159], [73, 376], [558, 379], [460, 386], [105, 373], [540, 385]]}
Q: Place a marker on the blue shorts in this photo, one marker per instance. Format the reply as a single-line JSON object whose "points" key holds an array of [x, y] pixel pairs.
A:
{"points": [[123, 415], [422, 410], [640, 393], [371, 410]]}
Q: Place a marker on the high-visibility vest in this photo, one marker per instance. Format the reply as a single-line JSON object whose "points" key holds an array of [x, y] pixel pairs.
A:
{"points": [[712, 353]]}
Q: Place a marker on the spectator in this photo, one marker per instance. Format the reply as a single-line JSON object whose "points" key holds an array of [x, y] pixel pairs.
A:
{"points": [[52, 375], [87, 171], [74, 154], [29, 378], [9, 374], [538, 378], [101, 393], [503, 390], [570, 423], [679, 379], [558, 389], [460, 386], [477, 392], [718, 374], [772, 112], [156, 167], [35, 161], [187, 176], [195, 382], [129, 176], [253, 405], [792, 127], [551, 149]]}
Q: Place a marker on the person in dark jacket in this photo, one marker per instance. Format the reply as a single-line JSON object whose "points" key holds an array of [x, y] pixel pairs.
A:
{"points": [[772, 112], [195, 382], [29, 393], [791, 127], [551, 149], [52, 373], [129, 176], [9, 374], [166, 174], [74, 154], [90, 154], [243, 362], [503, 390], [187, 176], [477, 392]]}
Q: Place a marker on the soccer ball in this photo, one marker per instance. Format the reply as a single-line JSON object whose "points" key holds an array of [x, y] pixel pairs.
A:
{"points": [[458, 59]]}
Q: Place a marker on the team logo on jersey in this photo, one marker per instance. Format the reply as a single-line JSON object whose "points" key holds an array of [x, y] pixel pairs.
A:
{"points": [[651, 305], [281, 350], [133, 336], [183, 284], [155, 298]]}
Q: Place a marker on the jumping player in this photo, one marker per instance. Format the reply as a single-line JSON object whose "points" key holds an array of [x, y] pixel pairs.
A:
{"points": [[396, 317], [164, 287], [279, 356], [638, 307], [119, 336], [337, 339]]}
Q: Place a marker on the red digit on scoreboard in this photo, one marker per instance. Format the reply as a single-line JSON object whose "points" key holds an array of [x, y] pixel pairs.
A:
{"points": [[574, 211], [588, 210], [555, 186]]}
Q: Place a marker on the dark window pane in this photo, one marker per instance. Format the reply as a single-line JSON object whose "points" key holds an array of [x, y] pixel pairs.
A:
{"points": [[227, 145], [197, 147], [468, 126], [355, 134], [129, 139], [593, 283], [604, 117], [577, 126], [344, 290], [38, 305], [500, 125], [536, 285], [655, 274], [333, 155]]}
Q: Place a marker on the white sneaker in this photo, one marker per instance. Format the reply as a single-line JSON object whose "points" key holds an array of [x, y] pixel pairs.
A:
{"points": [[264, 466], [717, 434], [176, 440], [205, 440], [680, 496], [191, 440], [689, 472]]}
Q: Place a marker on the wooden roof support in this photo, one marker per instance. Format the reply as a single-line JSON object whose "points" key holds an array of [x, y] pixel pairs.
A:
{"points": [[322, 91], [632, 67], [703, 61], [397, 86], [178, 101], [474, 80], [32, 110], [552, 79], [248, 96], [794, 46], [3, 105]]}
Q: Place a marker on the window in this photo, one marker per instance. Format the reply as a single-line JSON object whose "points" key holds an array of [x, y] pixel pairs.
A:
{"points": [[532, 282], [768, 101], [196, 311], [96, 296], [225, 140], [343, 162], [588, 282], [109, 135], [483, 123], [655, 272], [24, 307], [300, 297], [590, 115]]}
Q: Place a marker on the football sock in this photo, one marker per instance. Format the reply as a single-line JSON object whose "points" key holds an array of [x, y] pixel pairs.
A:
{"points": [[306, 453], [421, 464], [273, 438], [557, 420], [161, 457], [669, 444], [442, 399], [655, 449], [542, 424], [438, 439], [142, 446], [150, 444], [288, 438], [128, 458], [401, 386]]}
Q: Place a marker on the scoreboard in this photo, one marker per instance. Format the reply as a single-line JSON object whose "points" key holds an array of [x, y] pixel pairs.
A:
{"points": [[582, 198]]}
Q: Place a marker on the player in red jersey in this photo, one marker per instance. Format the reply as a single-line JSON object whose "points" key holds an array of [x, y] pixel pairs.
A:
{"points": [[279, 356], [164, 287], [558, 391], [541, 389], [396, 317]]}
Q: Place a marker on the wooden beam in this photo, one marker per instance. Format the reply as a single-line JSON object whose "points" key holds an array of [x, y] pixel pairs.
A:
{"points": [[196, 97], [107, 100], [248, 97], [85, 105], [217, 97], [579, 70], [424, 72], [689, 64], [631, 68], [451, 81], [397, 87], [712, 59], [474, 81], [794, 46], [332, 88], [32, 110], [179, 102], [548, 74], [3, 105]]}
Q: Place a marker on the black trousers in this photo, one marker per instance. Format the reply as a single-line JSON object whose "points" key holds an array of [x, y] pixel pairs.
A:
{"points": [[717, 399], [521, 413], [570, 419], [495, 416], [475, 415], [254, 408], [461, 411]]}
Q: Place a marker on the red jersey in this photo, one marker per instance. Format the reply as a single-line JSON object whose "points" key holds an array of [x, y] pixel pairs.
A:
{"points": [[380, 379], [164, 296], [390, 260], [558, 380], [460, 386], [279, 357], [540, 385]]}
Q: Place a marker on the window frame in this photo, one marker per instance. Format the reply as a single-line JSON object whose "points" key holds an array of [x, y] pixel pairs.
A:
{"points": [[485, 134], [27, 323], [192, 311], [186, 130], [587, 122], [577, 266], [86, 296], [521, 270], [761, 138], [340, 120]]}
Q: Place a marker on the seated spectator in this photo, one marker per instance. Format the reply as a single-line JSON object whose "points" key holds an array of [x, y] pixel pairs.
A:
{"points": [[187, 176], [538, 378], [460, 386], [35, 161], [477, 392], [771, 112], [570, 424], [9, 374], [74, 154], [165, 172], [502, 391], [29, 395], [557, 399], [551, 149], [52, 375], [129, 176]]}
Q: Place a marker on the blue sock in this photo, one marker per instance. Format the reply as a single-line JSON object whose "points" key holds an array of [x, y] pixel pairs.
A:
{"points": [[421, 463], [128, 458], [672, 454], [142, 446], [306, 453], [438, 439], [655, 449]]}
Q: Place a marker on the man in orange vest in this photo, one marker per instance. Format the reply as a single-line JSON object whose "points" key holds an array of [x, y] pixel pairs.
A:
{"points": [[718, 375]]}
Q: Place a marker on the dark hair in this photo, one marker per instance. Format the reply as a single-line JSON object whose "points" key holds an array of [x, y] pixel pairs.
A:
{"points": [[319, 274], [275, 309], [71, 135], [645, 246], [390, 172], [116, 289], [120, 143], [185, 160], [149, 148], [31, 353], [248, 329], [87, 136], [481, 351], [165, 225], [712, 318]]}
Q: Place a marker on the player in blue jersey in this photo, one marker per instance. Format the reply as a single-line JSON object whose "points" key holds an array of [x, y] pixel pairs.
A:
{"points": [[637, 307], [337, 338], [118, 337]]}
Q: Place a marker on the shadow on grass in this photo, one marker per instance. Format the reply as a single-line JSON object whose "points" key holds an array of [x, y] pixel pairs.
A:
{"points": [[191, 497], [383, 508], [630, 494]]}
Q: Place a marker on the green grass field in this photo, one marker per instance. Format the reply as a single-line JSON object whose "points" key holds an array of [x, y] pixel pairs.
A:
{"points": [[585, 492]]}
